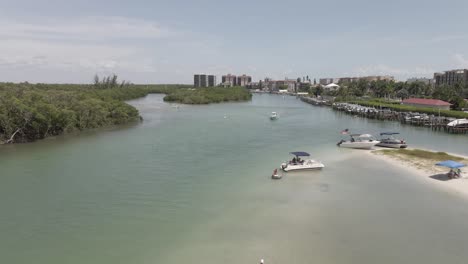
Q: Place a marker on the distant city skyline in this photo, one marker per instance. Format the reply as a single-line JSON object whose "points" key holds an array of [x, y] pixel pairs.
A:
{"points": [[169, 41]]}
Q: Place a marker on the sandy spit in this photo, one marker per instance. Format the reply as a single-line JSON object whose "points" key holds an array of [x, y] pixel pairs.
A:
{"points": [[428, 173]]}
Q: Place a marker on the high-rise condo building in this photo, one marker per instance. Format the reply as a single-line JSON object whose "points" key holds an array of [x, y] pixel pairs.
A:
{"points": [[204, 80], [451, 77]]}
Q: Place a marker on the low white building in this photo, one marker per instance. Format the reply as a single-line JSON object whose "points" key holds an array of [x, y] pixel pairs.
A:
{"points": [[331, 87]]}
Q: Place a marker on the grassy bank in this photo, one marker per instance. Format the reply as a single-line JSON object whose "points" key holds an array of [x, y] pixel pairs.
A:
{"points": [[406, 108], [34, 111], [413, 154], [208, 95]]}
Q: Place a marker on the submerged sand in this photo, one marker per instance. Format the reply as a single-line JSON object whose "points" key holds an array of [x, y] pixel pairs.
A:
{"points": [[428, 172]]}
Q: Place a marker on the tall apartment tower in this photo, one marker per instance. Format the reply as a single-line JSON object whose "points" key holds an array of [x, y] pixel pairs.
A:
{"points": [[451, 77], [203, 80], [229, 80], [211, 80], [243, 80]]}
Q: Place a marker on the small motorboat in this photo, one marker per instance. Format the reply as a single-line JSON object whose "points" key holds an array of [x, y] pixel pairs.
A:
{"points": [[359, 141], [301, 164], [273, 116], [275, 175], [389, 141], [459, 123]]}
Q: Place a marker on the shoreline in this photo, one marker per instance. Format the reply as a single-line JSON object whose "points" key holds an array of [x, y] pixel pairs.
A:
{"points": [[426, 171]]}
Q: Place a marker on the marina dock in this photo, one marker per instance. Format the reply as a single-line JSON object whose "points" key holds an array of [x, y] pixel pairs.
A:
{"points": [[439, 123], [411, 118]]}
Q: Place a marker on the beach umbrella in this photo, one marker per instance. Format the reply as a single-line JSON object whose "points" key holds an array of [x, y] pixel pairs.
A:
{"points": [[450, 164]]}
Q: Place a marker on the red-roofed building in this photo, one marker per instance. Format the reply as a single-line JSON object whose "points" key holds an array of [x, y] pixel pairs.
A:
{"points": [[429, 103]]}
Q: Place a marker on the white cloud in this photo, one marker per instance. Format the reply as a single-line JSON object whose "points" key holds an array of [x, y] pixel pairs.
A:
{"points": [[89, 44], [20, 52], [85, 28], [136, 49]]}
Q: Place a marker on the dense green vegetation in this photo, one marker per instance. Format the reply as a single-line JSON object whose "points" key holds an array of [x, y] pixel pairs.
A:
{"points": [[390, 89], [208, 95], [406, 108], [34, 111], [421, 154]]}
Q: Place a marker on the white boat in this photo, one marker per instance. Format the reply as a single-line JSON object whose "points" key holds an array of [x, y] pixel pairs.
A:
{"points": [[301, 164], [458, 123], [389, 141], [273, 116], [359, 141]]}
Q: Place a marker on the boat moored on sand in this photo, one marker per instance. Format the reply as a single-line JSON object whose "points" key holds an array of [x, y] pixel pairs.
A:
{"points": [[301, 164], [389, 141], [359, 141]]}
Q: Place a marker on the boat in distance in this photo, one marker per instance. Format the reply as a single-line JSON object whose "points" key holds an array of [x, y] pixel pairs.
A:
{"points": [[297, 164], [389, 141], [359, 141], [273, 116]]}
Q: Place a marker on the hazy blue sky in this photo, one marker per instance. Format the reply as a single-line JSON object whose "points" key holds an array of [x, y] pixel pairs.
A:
{"points": [[167, 41]]}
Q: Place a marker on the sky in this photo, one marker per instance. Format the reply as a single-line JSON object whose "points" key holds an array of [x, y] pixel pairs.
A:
{"points": [[153, 41]]}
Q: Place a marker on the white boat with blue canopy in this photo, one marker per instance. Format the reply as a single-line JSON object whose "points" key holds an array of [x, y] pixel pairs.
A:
{"points": [[297, 163], [388, 140]]}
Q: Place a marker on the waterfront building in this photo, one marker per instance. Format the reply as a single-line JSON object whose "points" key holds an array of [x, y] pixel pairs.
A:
{"points": [[289, 84], [427, 81], [243, 80], [254, 85], [229, 80], [451, 77], [271, 84], [204, 80], [211, 80], [325, 81], [344, 80], [428, 103], [348, 80], [378, 78]]}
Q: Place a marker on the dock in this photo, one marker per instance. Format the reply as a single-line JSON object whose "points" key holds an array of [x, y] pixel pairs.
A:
{"points": [[410, 118]]}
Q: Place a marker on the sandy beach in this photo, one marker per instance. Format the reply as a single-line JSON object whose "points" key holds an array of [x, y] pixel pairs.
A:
{"points": [[427, 172]]}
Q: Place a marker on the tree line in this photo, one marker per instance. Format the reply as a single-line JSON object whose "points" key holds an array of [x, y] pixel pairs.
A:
{"points": [[109, 82], [455, 94], [208, 95], [30, 112]]}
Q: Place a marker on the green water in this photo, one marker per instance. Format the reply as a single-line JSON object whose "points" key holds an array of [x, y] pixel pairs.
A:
{"points": [[190, 186]]}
